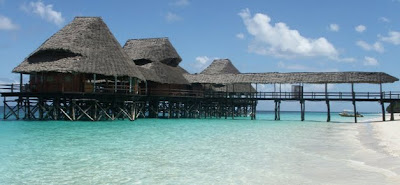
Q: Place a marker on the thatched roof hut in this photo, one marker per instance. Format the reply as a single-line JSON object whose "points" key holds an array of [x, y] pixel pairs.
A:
{"points": [[144, 51], [85, 45], [221, 67], [162, 73], [293, 78]]}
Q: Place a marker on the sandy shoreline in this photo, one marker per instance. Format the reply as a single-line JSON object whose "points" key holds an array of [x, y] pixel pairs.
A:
{"points": [[387, 133]]}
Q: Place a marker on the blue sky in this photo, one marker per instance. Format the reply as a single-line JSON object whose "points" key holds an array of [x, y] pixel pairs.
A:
{"points": [[258, 36]]}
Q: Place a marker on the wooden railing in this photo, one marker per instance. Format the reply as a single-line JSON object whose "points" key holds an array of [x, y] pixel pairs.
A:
{"points": [[124, 89]]}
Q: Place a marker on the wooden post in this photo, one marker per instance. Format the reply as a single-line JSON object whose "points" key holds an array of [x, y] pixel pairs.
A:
{"points": [[130, 84], [20, 82], [354, 102], [382, 103], [94, 82], [145, 82], [303, 109], [115, 84], [328, 119]]}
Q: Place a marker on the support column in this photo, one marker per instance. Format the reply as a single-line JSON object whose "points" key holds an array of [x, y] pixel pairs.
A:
{"points": [[328, 119], [20, 82], [354, 102], [115, 84], [130, 84], [94, 82], [303, 109], [382, 103]]}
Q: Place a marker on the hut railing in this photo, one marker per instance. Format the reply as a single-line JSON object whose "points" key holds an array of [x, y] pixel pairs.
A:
{"points": [[173, 92], [14, 88]]}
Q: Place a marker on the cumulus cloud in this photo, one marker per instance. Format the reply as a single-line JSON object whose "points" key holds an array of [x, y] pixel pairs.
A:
{"points": [[7, 24], [334, 27], [393, 37], [180, 3], [377, 46], [172, 17], [280, 41], [240, 36], [360, 28], [46, 12], [370, 61]]}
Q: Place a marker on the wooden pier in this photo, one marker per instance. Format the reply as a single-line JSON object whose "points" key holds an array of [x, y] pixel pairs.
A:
{"points": [[172, 104]]}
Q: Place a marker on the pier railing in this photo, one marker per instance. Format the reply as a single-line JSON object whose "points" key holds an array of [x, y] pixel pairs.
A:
{"points": [[122, 89], [391, 95]]}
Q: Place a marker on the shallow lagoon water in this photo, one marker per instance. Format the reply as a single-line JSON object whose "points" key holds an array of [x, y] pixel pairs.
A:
{"points": [[195, 151]]}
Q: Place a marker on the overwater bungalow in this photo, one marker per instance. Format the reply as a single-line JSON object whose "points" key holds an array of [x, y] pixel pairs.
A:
{"points": [[158, 61], [84, 56], [83, 73]]}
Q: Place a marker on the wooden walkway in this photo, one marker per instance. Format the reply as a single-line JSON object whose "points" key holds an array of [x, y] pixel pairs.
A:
{"points": [[170, 103]]}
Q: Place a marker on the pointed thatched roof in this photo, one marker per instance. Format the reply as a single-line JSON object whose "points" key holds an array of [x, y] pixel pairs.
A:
{"points": [[144, 51], [225, 66], [220, 66], [85, 45], [162, 73], [292, 78]]}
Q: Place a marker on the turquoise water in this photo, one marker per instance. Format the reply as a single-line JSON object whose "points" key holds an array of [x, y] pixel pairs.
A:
{"points": [[195, 151]]}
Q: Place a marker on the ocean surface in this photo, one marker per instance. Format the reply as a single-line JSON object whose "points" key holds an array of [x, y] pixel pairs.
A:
{"points": [[196, 151]]}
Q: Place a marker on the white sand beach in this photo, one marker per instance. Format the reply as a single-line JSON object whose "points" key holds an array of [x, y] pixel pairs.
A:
{"points": [[387, 133]]}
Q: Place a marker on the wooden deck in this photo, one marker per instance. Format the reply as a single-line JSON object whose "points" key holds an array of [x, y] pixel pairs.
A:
{"points": [[170, 103]]}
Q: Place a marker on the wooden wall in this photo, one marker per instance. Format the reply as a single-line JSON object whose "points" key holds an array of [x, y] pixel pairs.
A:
{"points": [[57, 82]]}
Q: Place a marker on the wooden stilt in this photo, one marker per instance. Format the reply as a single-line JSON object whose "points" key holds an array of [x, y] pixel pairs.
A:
{"points": [[383, 111], [328, 119], [382, 103], [353, 94]]}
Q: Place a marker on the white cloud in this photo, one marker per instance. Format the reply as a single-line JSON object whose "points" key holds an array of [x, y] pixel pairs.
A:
{"points": [[347, 60], [360, 28], [180, 3], [7, 24], [171, 17], [334, 27], [384, 19], [240, 36], [393, 38], [280, 41], [45, 12], [201, 62], [369, 61], [377, 46]]}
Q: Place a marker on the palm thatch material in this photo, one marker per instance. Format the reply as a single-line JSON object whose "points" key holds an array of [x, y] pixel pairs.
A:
{"points": [[85, 45], [162, 73], [293, 78], [225, 66], [220, 66], [144, 51]]}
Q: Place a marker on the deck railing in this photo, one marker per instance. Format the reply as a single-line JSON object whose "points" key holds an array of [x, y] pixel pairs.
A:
{"points": [[123, 89]]}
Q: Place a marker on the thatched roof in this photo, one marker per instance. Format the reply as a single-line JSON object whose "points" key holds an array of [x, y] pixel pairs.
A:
{"points": [[292, 78], [85, 45], [220, 66], [144, 51], [225, 66], [162, 73]]}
